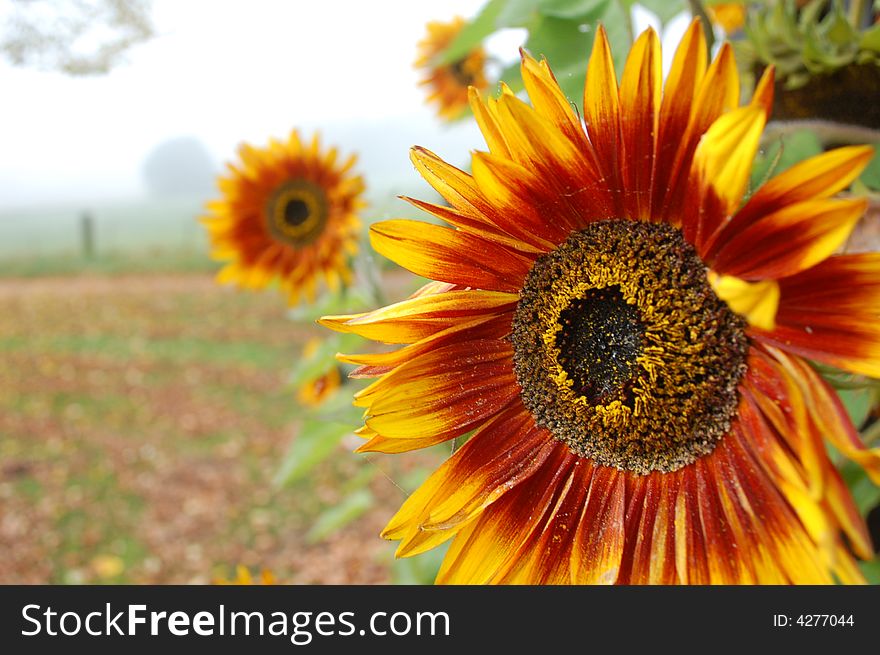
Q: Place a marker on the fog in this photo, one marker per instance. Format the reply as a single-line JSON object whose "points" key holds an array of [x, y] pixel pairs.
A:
{"points": [[223, 72]]}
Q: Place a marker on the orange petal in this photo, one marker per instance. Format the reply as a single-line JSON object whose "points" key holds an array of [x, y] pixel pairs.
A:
{"points": [[813, 179], [598, 542], [448, 391], [789, 240], [501, 454], [602, 116], [720, 171], [679, 94], [488, 125], [639, 108], [414, 319], [495, 546], [718, 93], [449, 255]]}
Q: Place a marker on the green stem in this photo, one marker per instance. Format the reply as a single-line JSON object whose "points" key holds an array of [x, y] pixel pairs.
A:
{"points": [[374, 280], [699, 11], [626, 8]]}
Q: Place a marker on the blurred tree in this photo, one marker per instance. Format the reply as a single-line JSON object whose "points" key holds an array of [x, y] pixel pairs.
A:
{"points": [[77, 37], [179, 166]]}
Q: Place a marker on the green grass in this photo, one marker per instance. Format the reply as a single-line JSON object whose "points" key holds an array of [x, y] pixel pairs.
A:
{"points": [[109, 263], [180, 349]]}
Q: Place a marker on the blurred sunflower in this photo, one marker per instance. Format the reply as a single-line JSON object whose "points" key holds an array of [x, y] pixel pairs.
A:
{"points": [[729, 16], [243, 577], [287, 212], [315, 391], [624, 337], [448, 83]]}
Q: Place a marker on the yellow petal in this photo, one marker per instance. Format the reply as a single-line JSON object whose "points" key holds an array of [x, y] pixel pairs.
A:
{"points": [[726, 152], [757, 302]]}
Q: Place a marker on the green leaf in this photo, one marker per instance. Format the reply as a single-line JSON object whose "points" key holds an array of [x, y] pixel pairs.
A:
{"points": [[783, 152], [473, 34], [517, 13], [574, 9], [419, 570], [865, 493], [614, 20], [870, 39], [522, 13], [512, 76], [871, 570], [337, 517], [312, 445], [566, 48], [665, 10], [563, 31], [837, 28], [858, 403], [871, 175]]}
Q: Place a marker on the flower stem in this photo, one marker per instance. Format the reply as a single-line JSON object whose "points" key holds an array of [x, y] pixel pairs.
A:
{"points": [[699, 11], [628, 21], [372, 274]]}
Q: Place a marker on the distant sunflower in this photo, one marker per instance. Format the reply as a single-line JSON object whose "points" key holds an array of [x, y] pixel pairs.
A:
{"points": [[624, 339], [448, 83], [729, 16], [314, 392], [287, 212], [243, 577]]}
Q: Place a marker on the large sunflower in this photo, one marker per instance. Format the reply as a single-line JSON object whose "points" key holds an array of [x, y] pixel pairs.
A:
{"points": [[624, 335], [448, 83], [288, 211]]}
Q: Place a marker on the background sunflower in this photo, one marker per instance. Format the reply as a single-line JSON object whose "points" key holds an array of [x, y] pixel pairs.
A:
{"points": [[288, 212], [621, 329], [448, 82]]}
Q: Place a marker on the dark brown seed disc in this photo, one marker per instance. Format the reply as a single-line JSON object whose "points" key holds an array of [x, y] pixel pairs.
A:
{"points": [[624, 352]]}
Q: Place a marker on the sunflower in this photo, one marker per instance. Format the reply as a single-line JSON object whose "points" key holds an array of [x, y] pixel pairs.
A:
{"points": [[448, 83], [624, 338], [243, 577], [729, 16], [314, 392], [288, 211]]}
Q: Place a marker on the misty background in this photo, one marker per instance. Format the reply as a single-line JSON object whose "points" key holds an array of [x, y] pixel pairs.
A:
{"points": [[137, 148]]}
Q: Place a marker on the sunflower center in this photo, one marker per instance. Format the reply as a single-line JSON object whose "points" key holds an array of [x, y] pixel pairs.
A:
{"points": [[461, 72], [297, 212], [623, 351], [599, 340]]}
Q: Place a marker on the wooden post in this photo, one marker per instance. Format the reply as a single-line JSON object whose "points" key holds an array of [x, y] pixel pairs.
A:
{"points": [[87, 231]]}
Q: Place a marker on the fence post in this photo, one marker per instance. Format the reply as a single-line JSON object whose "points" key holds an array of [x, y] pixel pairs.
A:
{"points": [[87, 232]]}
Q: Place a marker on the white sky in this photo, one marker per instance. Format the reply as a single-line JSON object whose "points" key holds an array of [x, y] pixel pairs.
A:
{"points": [[226, 71]]}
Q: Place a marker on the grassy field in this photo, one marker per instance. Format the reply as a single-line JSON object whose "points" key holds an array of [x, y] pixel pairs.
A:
{"points": [[143, 412]]}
